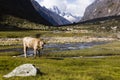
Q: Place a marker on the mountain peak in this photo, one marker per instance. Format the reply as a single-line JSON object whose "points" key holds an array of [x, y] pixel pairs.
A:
{"points": [[70, 17]]}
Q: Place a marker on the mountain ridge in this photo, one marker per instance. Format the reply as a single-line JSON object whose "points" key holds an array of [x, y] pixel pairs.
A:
{"points": [[52, 17]]}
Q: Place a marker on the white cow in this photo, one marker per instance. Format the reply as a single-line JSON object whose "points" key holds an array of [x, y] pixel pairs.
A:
{"points": [[35, 43]]}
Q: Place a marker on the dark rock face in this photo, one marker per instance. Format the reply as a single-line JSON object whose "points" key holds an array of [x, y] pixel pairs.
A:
{"points": [[102, 8], [23, 9]]}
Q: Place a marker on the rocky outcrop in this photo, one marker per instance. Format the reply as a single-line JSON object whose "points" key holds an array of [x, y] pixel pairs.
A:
{"points": [[102, 8], [23, 70]]}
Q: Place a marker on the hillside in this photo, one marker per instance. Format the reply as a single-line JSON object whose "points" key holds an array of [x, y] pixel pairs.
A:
{"points": [[12, 11]]}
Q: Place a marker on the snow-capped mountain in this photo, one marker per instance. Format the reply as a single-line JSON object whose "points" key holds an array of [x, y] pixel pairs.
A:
{"points": [[50, 16], [70, 17]]}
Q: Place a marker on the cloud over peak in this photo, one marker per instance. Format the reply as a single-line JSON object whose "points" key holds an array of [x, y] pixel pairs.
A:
{"points": [[75, 7]]}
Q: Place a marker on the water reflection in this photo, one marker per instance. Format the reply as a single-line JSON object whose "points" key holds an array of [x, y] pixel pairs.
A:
{"points": [[71, 46]]}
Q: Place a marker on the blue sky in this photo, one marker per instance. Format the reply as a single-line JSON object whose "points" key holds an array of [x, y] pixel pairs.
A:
{"points": [[76, 7]]}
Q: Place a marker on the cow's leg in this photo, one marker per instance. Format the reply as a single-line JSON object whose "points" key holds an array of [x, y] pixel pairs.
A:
{"points": [[39, 53], [35, 52], [25, 51]]}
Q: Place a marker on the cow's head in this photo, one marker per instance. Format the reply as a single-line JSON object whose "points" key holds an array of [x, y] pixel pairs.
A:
{"points": [[41, 44]]}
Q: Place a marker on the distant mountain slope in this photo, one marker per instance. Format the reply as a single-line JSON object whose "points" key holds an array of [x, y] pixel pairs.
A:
{"points": [[102, 8], [52, 17], [22, 9]]}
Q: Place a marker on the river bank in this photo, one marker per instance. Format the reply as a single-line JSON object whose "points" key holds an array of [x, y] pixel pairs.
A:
{"points": [[13, 41], [76, 39]]}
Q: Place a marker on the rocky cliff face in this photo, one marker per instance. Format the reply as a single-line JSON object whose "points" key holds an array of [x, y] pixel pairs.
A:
{"points": [[22, 9], [102, 8]]}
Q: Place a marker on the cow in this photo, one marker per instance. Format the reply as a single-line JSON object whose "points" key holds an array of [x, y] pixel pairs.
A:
{"points": [[35, 43]]}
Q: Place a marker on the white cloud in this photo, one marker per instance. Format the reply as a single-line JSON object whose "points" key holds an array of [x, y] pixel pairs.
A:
{"points": [[50, 3], [76, 7]]}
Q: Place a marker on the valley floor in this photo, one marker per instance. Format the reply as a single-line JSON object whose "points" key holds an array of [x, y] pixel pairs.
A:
{"points": [[65, 68], [64, 65]]}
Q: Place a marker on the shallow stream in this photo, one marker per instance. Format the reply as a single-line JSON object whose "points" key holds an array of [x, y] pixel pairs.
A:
{"points": [[58, 47]]}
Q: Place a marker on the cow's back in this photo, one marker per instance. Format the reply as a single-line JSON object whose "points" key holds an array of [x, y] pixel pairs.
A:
{"points": [[29, 41]]}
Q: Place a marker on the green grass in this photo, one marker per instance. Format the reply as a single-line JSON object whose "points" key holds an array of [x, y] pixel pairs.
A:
{"points": [[54, 66], [18, 34], [112, 48], [66, 68], [10, 53], [21, 34]]}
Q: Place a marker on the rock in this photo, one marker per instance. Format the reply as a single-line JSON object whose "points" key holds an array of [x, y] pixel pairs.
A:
{"points": [[102, 8], [118, 35], [23, 70]]}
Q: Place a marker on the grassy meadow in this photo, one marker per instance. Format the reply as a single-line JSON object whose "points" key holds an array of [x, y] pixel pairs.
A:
{"points": [[65, 68], [62, 65]]}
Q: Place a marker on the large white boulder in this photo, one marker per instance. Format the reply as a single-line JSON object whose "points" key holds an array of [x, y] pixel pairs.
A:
{"points": [[23, 70]]}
